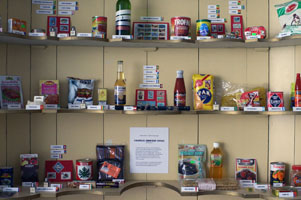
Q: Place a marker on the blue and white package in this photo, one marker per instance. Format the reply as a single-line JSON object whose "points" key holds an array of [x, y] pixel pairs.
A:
{"points": [[80, 91]]}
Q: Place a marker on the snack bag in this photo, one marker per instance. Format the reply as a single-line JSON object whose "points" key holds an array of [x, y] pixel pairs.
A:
{"points": [[80, 91], [50, 90], [249, 99], [203, 87], [10, 91]]}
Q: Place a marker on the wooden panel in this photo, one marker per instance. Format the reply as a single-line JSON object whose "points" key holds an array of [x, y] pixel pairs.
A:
{"points": [[82, 19], [3, 13], [3, 140], [182, 130], [3, 59], [81, 133], [117, 130], [79, 62], [154, 193], [80, 197], [171, 60], [133, 61], [297, 158], [42, 138], [240, 137], [257, 13], [39, 20], [275, 26], [20, 9], [133, 194], [138, 8], [18, 141], [172, 8]]}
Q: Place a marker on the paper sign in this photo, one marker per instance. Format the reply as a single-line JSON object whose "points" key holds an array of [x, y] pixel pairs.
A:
{"points": [[68, 3], [234, 3], [223, 108], [149, 150], [58, 146], [217, 20], [63, 12], [45, 12], [74, 8], [296, 109], [42, 2], [150, 81], [235, 12], [94, 107], [286, 194], [150, 76], [33, 107], [150, 67], [47, 7]]}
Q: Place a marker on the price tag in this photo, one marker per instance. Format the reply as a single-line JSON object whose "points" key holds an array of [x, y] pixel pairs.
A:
{"points": [[33, 107], [129, 37], [13, 106], [212, 7], [250, 37], [262, 186], [56, 185], [58, 151], [154, 19], [296, 109], [85, 187], [189, 189], [29, 184], [203, 37], [94, 107], [37, 34], [56, 156], [11, 189], [180, 38], [58, 146], [46, 189], [235, 7], [217, 20], [84, 34], [286, 34], [3, 186], [212, 16], [129, 108], [277, 184], [250, 109], [286, 194], [276, 108], [74, 106], [51, 106], [223, 108], [62, 35]]}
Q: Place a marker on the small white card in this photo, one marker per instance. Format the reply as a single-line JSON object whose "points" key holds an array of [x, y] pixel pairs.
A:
{"points": [[235, 7], [152, 72], [47, 7], [286, 194], [180, 38], [44, 12], [56, 185], [129, 37], [150, 81], [261, 186], [276, 109], [212, 12], [85, 187], [38, 99], [84, 34], [46, 189], [286, 34], [234, 12], [66, 12], [154, 19], [36, 34], [129, 108], [67, 3], [51, 106], [72, 8], [62, 35], [233, 3], [223, 108], [28, 184], [212, 16], [58, 146], [277, 184], [33, 107], [203, 37], [217, 20], [42, 2], [296, 109], [189, 189], [94, 107], [212, 7], [254, 109], [150, 76], [151, 67], [56, 156], [250, 37], [58, 151], [150, 86], [111, 107], [11, 189], [74, 106], [13, 106]]}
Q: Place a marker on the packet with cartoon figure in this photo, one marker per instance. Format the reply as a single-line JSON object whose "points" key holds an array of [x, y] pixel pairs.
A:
{"points": [[203, 90]]}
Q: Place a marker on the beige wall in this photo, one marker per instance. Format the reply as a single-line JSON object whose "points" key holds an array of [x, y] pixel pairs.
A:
{"points": [[265, 138]]}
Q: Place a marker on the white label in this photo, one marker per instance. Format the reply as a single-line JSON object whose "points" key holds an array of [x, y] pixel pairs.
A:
{"points": [[277, 184], [74, 106], [58, 146], [41, 2], [227, 108], [129, 108], [111, 107], [51, 106], [58, 151], [180, 38], [285, 34], [13, 106], [10, 189], [67, 3], [220, 36], [211, 7], [296, 109], [250, 37], [217, 20], [262, 186], [233, 3], [85, 187], [123, 12], [37, 34], [150, 86], [56, 185], [56, 156], [62, 35], [3, 186], [234, 7], [32, 190], [234, 12], [84, 34], [247, 185], [154, 19], [212, 16], [254, 109], [33, 107], [203, 37], [128, 37], [94, 107], [118, 180], [44, 12], [150, 67], [286, 194], [72, 8], [150, 81], [28, 184], [65, 12], [189, 189], [38, 99], [276, 108], [150, 76], [46, 189], [47, 7], [151, 71], [105, 107], [212, 12]]}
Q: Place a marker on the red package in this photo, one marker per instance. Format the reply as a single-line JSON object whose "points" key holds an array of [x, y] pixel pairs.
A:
{"points": [[237, 26], [275, 99], [60, 24], [150, 97], [59, 171], [258, 31], [250, 99]]}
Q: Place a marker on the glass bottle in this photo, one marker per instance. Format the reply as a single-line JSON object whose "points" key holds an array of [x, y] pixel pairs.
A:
{"points": [[298, 91], [180, 91], [123, 17], [120, 86], [216, 162]]}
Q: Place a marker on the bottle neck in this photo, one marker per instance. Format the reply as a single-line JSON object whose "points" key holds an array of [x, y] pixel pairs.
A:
{"points": [[179, 75], [120, 75]]}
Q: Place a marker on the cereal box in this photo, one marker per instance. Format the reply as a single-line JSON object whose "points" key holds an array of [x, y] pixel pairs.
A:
{"points": [[203, 91]]}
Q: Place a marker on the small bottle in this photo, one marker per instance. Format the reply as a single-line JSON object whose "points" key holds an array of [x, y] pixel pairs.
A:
{"points": [[52, 32], [216, 162], [180, 91], [73, 31], [123, 17], [46, 183], [215, 106], [32, 189], [120, 86], [298, 91]]}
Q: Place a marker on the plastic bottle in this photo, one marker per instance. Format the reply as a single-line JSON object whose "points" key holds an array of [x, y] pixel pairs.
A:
{"points": [[180, 91], [123, 17], [216, 162], [120, 86], [298, 91]]}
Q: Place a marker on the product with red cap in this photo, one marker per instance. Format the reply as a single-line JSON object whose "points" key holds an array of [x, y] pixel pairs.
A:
{"points": [[296, 176]]}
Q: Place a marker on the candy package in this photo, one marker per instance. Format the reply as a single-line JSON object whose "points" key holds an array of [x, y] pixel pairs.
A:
{"points": [[203, 89], [10, 91], [50, 89], [29, 167], [80, 91]]}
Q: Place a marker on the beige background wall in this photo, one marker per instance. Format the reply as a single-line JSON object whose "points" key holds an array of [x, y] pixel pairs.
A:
{"points": [[264, 138]]}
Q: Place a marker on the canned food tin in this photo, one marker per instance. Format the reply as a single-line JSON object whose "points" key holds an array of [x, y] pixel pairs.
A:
{"points": [[99, 27], [6, 176], [277, 178], [275, 99], [203, 27], [84, 169], [180, 26]]}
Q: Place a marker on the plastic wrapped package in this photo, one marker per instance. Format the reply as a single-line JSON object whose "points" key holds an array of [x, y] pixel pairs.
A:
{"points": [[80, 91], [29, 167]]}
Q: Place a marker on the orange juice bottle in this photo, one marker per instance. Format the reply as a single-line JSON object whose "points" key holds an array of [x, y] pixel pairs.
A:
{"points": [[216, 162]]}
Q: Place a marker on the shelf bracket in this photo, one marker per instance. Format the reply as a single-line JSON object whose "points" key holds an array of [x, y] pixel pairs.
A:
{"points": [[154, 49]]}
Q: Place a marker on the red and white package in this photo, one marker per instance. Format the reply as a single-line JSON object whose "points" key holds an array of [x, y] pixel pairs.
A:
{"points": [[255, 32], [59, 171]]}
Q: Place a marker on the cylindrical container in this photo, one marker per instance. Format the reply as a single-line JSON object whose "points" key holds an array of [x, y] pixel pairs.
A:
{"points": [[296, 176], [203, 27], [6, 176], [84, 169], [99, 27], [277, 178], [180, 26]]}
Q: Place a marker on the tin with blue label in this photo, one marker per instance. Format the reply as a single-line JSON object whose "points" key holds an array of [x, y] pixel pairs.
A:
{"points": [[6, 176]]}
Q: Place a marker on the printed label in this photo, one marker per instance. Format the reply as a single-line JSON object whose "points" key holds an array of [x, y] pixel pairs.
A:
{"points": [[216, 160], [14, 106], [262, 186], [212, 11], [47, 7], [42, 2], [227, 108], [56, 156], [276, 108], [73, 8], [150, 81], [94, 107], [217, 20], [84, 35], [150, 85], [234, 7], [296, 109], [57, 151], [189, 189], [64, 12], [254, 109], [235, 12], [286, 194], [210, 16], [211, 7], [277, 184], [234, 3], [150, 76], [154, 19], [180, 99], [45, 12], [151, 67], [85, 187], [58, 146], [67, 3], [120, 95], [151, 71], [123, 20], [33, 107]]}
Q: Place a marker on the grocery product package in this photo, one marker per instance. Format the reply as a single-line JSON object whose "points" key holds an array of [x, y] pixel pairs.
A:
{"points": [[29, 167], [289, 14], [50, 90], [203, 91], [191, 161], [10, 91], [80, 91], [246, 171]]}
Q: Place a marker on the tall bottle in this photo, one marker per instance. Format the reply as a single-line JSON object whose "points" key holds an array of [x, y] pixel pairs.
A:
{"points": [[216, 162], [120, 86], [123, 17], [298, 91], [180, 91]]}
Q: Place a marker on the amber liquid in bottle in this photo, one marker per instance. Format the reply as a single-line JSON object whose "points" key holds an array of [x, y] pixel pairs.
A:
{"points": [[216, 162], [120, 86]]}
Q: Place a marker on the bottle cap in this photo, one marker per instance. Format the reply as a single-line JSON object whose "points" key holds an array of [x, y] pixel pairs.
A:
{"points": [[215, 145], [180, 72]]}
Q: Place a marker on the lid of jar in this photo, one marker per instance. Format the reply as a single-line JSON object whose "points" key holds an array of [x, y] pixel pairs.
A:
{"points": [[296, 167]]}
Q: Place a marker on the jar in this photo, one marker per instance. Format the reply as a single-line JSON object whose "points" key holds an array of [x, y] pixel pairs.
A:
{"points": [[296, 176]]}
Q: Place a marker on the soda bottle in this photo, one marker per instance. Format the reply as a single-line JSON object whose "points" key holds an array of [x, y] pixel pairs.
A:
{"points": [[120, 86], [123, 17], [216, 162], [298, 91], [180, 91]]}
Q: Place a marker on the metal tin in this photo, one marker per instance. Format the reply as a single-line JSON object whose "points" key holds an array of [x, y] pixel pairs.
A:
{"points": [[99, 27], [277, 172], [203, 27], [180, 26], [6, 176], [275, 99], [84, 169]]}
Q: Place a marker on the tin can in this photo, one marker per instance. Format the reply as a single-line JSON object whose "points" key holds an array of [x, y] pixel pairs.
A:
{"points": [[6, 176], [277, 172], [84, 169], [99, 27], [275, 99], [180, 26], [203, 27]]}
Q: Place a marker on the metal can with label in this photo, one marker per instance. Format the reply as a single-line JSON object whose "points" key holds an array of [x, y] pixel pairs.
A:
{"points": [[6, 176], [84, 169], [180, 26], [275, 99], [99, 27], [203, 27], [277, 172]]}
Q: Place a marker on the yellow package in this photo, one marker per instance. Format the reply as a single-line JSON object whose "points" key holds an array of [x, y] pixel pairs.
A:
{"points": [[203, 88]]}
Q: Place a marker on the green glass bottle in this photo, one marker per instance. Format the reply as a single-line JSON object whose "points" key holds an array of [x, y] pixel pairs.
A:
{"points": [[123, 17]]}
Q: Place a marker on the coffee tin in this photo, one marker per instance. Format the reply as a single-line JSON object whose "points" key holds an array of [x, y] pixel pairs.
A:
{"points": [[180, 26], [203, 27], [99, 27], [84, 169], [6, 176]]}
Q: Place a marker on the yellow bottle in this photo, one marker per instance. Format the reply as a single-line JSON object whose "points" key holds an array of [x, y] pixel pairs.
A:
{"points": [[216, 162], [120, 86]]}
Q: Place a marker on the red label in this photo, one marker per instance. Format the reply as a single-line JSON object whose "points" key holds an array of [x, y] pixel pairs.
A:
{"points": [[291, 7], [180, 99], [110, 169]]}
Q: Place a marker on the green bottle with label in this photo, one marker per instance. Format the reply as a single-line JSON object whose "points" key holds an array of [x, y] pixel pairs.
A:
{"points": [[123, 17]]}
